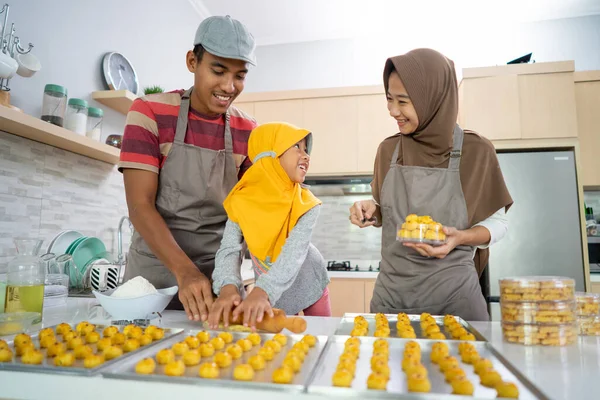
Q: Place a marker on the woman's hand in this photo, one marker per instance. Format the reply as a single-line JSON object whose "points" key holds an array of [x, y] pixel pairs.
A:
{"points": [[361, 213], [454, 238]]}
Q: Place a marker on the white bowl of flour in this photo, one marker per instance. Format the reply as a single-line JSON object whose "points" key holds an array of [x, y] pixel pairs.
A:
{"points": [[135, 299]]}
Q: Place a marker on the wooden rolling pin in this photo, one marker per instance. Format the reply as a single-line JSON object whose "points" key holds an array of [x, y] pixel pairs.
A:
{"points": [[275, 324]]}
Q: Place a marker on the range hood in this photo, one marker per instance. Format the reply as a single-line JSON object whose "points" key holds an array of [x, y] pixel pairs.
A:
{"points": [[339, 185]]}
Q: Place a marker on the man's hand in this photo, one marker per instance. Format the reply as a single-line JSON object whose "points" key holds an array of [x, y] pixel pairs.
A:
{"points": [[194, 293], [229, 298]]}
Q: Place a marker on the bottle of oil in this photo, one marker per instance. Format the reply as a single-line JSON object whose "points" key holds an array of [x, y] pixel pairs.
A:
{"points": [[25, 279]]}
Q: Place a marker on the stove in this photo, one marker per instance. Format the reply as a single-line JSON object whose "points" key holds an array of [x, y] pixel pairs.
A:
{"points": [[359, 266]]}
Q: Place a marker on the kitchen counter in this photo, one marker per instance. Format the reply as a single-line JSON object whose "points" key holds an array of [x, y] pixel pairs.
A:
{"points": [[561, 373], [595, 276]]}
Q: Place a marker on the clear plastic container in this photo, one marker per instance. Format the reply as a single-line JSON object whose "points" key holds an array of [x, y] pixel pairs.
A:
{"points": [[421, 232], [11, 323], [589, 326], [543, 335], [56, 290], [537, 288], [547, 312], [588, 304], [54, 104], [77, 114], [94, 123]]}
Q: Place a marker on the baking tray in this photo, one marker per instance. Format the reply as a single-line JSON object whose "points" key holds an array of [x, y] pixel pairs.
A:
{"points": [[347, 324], [320, 380], [262, 379], [47, 365]]}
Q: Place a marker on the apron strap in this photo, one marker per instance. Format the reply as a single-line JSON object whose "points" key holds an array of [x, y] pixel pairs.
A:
{"points": [[228, 137], [394, 160], [455, 154], [182, 117]]}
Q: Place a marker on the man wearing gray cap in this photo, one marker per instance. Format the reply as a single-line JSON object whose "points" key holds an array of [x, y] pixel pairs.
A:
{"points": [[182, 152]]}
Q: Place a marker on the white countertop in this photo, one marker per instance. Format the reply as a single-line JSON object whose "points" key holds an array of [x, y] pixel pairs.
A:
{"points": [[561, 373]]}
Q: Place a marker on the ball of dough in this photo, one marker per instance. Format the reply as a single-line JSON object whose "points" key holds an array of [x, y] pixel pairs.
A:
{"points": [[103, 343], [274, 345], [490, 377], [243, 372], [82, 352], [179, 348], [83, 328], [267, 353], [21, 339], [254, 338], [32, 356], [203, 336], [112, 352], [310, 340], [382, 333], [131, 345], [301, 345], [207, 350], [283, 375], [348, 366], [281, 339], [467, 336], [453, 373], [298, 353], [410, 361], [245, 344], [45, 333], [55, 349], [209, 370], [470, 357], [218, 343], [482, 364], [226, 336], [377, 381], [93, 360], [191, 357], [448, 362], [418, 383], [150, 329], [128, 329], [63, 328], [358, 332], [118, 338], [70, 335], [145, 366], [342, 378], [508, 390], [64, 360], [292, 362], [47, 341], [417, 369], [175, 368], [193, 342], [134, 333], [235, 351], [382, 369], [6, 355], [25, 348], [158, 334], [165, 356], [92, 337], [257, 362], [75, 342], [381, 344], [145, 339], [110, 331], [223, 360], [463, 386]]}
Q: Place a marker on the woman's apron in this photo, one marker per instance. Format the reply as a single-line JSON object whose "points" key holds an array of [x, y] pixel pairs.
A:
{"points": [[192, 185], [407, 281]]}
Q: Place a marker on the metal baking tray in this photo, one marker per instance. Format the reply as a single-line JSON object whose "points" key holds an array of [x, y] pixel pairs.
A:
{"points": [[320, 380], [347, 324], [47, 365], [262, 379]]}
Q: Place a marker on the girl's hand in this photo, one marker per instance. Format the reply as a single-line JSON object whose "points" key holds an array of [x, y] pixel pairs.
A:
{"points": [[228, 298], [254, 307], [454, 238]]}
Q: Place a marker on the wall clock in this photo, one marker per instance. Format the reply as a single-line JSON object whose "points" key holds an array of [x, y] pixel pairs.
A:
{"points": [[119, 73]]}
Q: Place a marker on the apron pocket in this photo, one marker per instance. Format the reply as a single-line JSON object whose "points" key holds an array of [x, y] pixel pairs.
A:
{"points": [[167, 200]]}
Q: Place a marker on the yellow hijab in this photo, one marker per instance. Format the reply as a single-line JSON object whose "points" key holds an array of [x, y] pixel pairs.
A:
{"points": [[266, 203]]}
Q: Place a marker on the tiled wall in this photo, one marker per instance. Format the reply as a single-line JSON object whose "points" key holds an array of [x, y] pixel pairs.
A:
{"points": [[44, 190], [337, 239], [592, 199]]}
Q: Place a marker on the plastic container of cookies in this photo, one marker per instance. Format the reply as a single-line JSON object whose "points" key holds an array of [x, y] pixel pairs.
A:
{"points": [[589, 326], [588, 304], [537, 288], [543, 313], [540, 335], [429, 233]]}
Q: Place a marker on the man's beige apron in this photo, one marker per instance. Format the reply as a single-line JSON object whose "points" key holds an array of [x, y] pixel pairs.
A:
{"points": [[192, 185], [409, 282]]}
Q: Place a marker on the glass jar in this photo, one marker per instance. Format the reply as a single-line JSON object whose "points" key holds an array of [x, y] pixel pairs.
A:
{"points": [[77, 114], [94, 123], [114, 141], [54, 104], [25, 279]]}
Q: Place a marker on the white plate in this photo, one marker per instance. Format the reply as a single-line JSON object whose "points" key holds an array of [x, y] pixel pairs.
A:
{"points": [[62, 241]]}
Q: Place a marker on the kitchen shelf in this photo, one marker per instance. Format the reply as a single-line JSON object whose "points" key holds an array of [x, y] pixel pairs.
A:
{"points": [[119, 100], [27, 126]]}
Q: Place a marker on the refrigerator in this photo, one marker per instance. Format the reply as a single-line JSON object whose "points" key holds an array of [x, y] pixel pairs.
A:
{"points": [[544, 234]]}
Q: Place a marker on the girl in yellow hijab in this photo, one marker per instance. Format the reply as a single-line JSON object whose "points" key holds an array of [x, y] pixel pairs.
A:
{"points": [[271, 210]]}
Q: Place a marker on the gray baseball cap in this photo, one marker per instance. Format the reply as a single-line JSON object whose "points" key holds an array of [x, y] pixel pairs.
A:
{"points": [[226, 37]]}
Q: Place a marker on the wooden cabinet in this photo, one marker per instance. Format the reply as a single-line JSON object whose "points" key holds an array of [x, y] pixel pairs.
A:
{"points": [[350, 295], [374, 125], [595, 287], [281, 110], [248, 108], [587, 95]]}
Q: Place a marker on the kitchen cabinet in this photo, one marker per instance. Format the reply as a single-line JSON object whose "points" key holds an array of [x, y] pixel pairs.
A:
{"points": [[595, 287], [587, 96], [281, 110], [374, 125], [350, 295], [248, 108]]}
